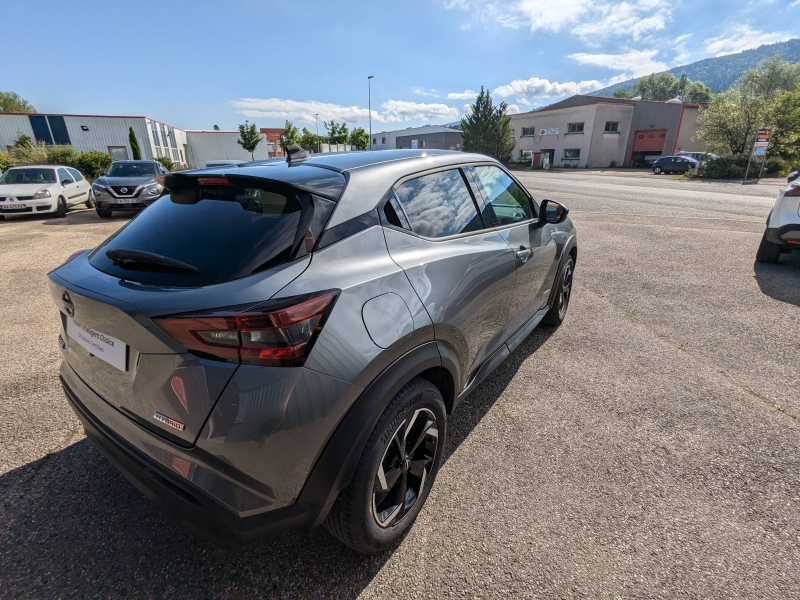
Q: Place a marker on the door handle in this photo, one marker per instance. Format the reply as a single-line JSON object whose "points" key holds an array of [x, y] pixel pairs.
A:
{"points": [[523, 253]]}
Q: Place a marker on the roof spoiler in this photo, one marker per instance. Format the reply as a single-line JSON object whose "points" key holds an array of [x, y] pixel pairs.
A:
{"points": [[296, 155]]}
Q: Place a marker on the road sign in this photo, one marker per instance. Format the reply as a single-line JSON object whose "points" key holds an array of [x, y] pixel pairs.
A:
{"points": [[760, 145], [760, 151]]}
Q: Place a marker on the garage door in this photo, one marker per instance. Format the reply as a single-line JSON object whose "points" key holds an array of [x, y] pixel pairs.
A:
{"points": [[651, 140]]}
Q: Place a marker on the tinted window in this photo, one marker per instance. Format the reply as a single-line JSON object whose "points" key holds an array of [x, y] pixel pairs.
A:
{"points": [[509, 202], [62, 175], [225, 231], [439, 204], [59, 129], [29, 176], [132, 170], [75, 174]]}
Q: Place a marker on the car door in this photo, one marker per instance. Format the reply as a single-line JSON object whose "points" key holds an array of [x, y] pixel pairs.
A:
{"points": [[70, 190], [81, 185], [515, 215], [463, 272]]}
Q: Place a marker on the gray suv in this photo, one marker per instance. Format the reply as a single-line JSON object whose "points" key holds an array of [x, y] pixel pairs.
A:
{"points": [[128, 185], [278, 345]]}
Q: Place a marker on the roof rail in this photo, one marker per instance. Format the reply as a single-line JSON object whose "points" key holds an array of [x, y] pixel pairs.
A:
{"points": [[295, 155]]}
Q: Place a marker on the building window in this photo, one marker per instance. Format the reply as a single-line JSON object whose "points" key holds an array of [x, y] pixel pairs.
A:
{"points": [[662, 135], [574, 127], [572, 153], [373, 141], [154, 132], [118, 152], [525, 154], [513, 134], [528, 131], [612, 126], [383, 140]]}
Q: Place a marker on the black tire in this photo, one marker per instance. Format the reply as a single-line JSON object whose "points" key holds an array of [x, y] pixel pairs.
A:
{"points": [[767, 251], [658, 170], [61, 208], [555, 316], [90, 203], [367, 515], [103, 213]]}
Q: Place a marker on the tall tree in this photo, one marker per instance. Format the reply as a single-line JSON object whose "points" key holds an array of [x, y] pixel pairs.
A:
{"points": [[290, 135], [623, 93], [359, 138], [137, 154], [337, 133], [249, 138], [310, 141], [487, 129], [14, 103]]}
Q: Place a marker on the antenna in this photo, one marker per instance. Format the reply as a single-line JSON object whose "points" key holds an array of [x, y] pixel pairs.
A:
{"points": [[295, 155]]}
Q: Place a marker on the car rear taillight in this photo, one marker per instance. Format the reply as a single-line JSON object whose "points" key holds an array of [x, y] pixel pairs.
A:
{"points": [[794, 190], [276, 333]]}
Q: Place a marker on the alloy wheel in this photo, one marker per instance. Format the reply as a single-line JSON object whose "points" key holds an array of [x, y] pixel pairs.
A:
{"points": [[405, 467], [566, 290]]}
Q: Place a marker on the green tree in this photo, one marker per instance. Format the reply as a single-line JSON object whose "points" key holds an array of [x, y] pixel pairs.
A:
{"points": [[783, 117], [290, 135], [337, 133], [22, 141], [770, 79], [249, 138], [92, 162], [697, 92], [487, 129], [137, 154], [359, 138], [167, 162], [5, 161], [14, 103], [310, 141], [623, 93], [665, 86]]}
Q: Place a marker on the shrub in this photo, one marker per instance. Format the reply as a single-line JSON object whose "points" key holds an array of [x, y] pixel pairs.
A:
{"points": [[92, 163], [61, 155], [28, 154], [735, 166], [167, 162], [5, 161], [612, 164]]}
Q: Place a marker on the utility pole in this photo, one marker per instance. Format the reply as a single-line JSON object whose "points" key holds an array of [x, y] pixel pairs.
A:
{"points": [[369, 107], [316, 120]]}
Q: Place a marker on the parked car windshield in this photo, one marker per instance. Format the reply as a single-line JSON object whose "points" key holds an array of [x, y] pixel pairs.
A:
{"points": [[132, 170], [16, 176]]}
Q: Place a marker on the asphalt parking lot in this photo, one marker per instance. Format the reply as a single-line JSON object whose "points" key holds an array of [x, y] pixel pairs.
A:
{"points": [[649, 447]]}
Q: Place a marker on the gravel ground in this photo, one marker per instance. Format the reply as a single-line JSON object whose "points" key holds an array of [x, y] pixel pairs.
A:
{"points": [[647, 448]]}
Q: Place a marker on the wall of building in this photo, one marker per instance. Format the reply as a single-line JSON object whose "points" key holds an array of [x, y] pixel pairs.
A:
{"points": [[204, 146], [687, 136], [450, 140], [557, 143], [387, 140], [607, 148], [649, 116]]}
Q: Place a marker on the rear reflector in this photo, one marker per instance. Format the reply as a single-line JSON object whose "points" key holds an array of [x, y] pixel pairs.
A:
{"points": [[794, 190], [276, 333], [212, 181]]}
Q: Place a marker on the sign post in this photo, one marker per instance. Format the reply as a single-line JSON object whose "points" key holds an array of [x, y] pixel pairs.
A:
{"points": [[760, 146]]}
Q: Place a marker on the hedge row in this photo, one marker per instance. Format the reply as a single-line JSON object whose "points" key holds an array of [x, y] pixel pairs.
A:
{"points": [[734, 167], [91, 163]]}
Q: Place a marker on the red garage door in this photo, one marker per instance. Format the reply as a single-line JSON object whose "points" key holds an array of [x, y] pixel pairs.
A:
{"points": [[651, 140]]}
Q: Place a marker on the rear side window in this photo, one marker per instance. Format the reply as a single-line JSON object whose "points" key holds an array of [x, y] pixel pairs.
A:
{"points": [[215, 233], [75, 174], [439, 204], [507, 199]]}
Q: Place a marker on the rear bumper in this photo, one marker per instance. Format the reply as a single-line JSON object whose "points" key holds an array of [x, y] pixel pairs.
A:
{"points": [[788, 235], [183, 483]]}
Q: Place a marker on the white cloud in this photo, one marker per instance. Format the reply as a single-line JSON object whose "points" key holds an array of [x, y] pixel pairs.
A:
{"points": [[590, 20], [682, 53], [536, 87], [638, 62], [394, 111], [423, 92], [465, 95], [741, 37], [513, 109]]}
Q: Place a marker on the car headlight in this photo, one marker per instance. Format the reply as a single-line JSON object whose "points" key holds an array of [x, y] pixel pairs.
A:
{"points": [[154, 189], [41, 194]]}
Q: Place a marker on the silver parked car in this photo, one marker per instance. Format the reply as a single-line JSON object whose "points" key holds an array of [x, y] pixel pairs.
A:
{"points": [[128, 185], [279, 345]]}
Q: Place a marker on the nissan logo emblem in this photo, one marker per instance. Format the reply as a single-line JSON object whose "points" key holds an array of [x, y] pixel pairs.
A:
{"points": [[123, 190]]}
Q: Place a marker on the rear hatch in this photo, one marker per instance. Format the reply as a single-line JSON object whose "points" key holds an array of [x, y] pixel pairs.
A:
{"points": [[220, 245]]}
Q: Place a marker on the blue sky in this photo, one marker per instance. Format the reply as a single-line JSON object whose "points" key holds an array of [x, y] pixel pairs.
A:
{"points": [[194, 64]]}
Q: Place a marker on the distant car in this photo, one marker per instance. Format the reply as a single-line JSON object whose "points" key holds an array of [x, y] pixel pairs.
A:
{"points": [[42, 189], [128, 185], [673, 164], [783, 226], [702, 157], [223, 163]]}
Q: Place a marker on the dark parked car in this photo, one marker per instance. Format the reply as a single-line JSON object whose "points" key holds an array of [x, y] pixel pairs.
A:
{"points": [[673, 164], [279, 345], [128, 185]]}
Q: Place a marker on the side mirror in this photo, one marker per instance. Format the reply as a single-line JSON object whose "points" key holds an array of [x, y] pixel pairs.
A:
{"points": [[103, 174], [792, 176], [552, 212], [67, 182]]}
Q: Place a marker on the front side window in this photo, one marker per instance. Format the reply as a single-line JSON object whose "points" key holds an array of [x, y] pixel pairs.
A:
{"points": [[508, 200], [439, 204], [572, 153], [574, 127], [16, 176], [63, 175], [612, 126]]}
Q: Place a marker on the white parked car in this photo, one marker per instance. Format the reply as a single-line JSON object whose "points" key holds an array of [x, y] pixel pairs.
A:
{"points": [[783, 226], [42, 189]]}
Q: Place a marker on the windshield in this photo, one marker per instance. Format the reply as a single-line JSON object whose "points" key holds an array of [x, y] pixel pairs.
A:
{"points": [[132, 170], [29, 176]]}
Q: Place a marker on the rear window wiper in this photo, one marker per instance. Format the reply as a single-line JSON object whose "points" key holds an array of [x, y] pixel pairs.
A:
{"points": [[138, 259]]}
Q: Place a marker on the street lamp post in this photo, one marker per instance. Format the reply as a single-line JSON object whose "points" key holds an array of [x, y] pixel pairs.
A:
{"points": [[316, 120], [369, 108]]}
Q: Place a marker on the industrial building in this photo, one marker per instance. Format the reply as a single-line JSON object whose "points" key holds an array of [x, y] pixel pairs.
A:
{"points": [[594, 131], [432, 137], [155, 139]]}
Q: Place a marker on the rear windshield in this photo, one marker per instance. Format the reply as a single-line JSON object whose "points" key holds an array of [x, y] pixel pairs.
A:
{"points": [[202, 235], [132, 170], [29, 176]]}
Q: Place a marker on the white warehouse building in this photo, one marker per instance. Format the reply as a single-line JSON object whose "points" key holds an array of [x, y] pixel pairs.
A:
{"points": [[111, 134]]}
